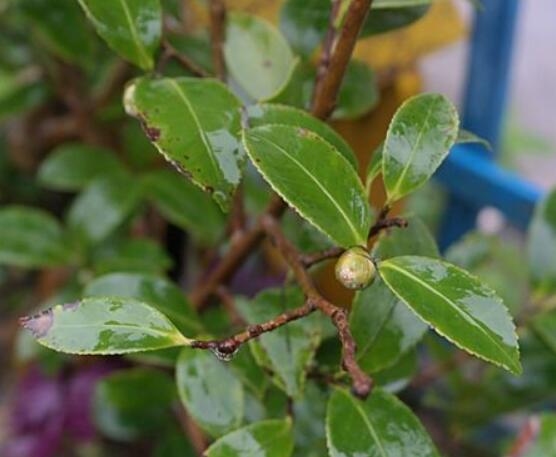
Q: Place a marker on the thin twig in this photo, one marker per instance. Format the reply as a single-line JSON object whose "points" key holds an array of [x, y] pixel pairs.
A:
{"points": [[309, 260], [217, 12], [192, 430], [227, 299], [171, 52]]}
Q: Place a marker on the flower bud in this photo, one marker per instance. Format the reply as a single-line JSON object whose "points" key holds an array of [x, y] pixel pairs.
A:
{"points": [[355, 269]]}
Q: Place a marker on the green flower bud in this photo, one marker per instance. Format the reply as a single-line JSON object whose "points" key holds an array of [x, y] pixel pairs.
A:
{"points": [[355, 269]]}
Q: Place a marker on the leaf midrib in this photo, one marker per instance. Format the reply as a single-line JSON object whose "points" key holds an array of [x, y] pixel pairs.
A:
{"points": [[369, 425], [461, 312], [134, 33], [319, 185]]}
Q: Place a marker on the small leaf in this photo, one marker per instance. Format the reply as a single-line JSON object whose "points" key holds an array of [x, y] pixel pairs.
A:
{"points": [[194, 123], [271, 438], [131, 28], [457, 305], [465, 136], [379, 426], [374, 168], [270, 113], [290, 349], [103, 206], [72, 166], [544, 325], [380, 4], [419, 138], [304, 23], [257, 55], [103, 325], [544, 444], [358, 92], [131, 404], [210, 391], [158, 292], [385, 17], [32, 238], [185, 205], [541, 244], [314, 178]]}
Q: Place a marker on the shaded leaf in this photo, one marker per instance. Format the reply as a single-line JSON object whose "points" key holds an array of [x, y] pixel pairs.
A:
{"points": [[397, 377], [374, 168], [288, 350], [457, 305], [174, 443], [541, 244], [103, 206], [313, 177], [257, 56], [20, 92], [185, 205], [419, 138], [358, 92], [132, 403], [32, 238], [194, 123], [385, 17], [158, 292], [270, 113], [103, 325], [210, 391], [381, 425], [72, 166], [297, 90], [308, 427], [544, 325], [131, 28], [271, 438]]}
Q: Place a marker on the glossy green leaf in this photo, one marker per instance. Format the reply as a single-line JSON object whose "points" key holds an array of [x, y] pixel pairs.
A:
{"points": [[304, 23], [358, 92], [385, 17], [379, 426], [314, 178], [72, 166], [271, 438], [194, 123], [131, 28], [374, 168], [541, 244], [103, 206], [419, 138], [61, 27], [134, 403], [457, 305], [290, 349], [185, 205], [135, 255], [465, 136], [257, 56], [158, 292], [544, 444], [544, 325], [270, 113], [297, 89], [103, 325], [210, 391], [32, 238]]}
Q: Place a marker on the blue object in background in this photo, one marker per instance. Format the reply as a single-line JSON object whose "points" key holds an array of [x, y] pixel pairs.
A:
{"points": [[470, 174]]}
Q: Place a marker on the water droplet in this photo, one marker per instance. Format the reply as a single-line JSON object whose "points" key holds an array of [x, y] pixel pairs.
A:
{"points": [[224, 356]]}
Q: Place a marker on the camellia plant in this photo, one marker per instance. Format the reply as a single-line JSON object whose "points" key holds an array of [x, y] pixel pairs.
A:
{"points": [[267, 194]]}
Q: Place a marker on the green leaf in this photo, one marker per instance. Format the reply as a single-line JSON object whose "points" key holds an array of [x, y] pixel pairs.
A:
{"points": [[134, 255], [379, 426], [544, 325], [194, 123], [257, 56], [271, 438], [270, 113], [158, 292], [131, 28], [297, 89], [385, 17], [457, 305], [20, 91], [134, 403], [288, 349], [174, 443], [419, 138], [61, 27], [314, 178], [103, 325], [465, 136], [398, 376], [72, 166], [380, 4], [545, 443], [358, 92], [541, 245], [308, 427], [210, 391], [32, 238], [185, 205], [374, 168], [103, 206]]}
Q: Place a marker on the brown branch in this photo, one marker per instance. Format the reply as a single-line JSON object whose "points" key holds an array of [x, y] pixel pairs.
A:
{"points": [[217, 12], [326, 89], [192, 430], [227, 300], [171, 52], [308, 260]]}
